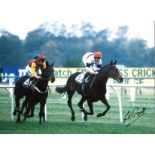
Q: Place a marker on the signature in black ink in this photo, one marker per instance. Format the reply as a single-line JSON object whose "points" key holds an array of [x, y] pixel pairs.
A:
{"points": [[134, 115]]}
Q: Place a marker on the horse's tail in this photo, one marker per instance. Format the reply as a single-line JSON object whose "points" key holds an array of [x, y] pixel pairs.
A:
{"points": [[61, 89]]}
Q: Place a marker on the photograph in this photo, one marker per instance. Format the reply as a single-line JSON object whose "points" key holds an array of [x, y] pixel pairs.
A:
{"points": [[77, 67]]}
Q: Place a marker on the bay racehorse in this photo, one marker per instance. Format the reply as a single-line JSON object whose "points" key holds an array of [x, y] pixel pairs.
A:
{"points": [[38, 94], [92, 91]]}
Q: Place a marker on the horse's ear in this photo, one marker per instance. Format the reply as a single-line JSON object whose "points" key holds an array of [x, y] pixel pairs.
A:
{"points": [[111, 62], [52, 64], [115, 62], [47, 63]]}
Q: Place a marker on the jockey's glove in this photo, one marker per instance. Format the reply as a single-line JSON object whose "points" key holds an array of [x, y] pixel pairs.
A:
{"points": [[39, 77], [95, 72]]}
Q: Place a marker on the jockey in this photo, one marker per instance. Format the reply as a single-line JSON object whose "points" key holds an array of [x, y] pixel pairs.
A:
{"points": [[28, 68], [34, 68], [36, 65], [36, 56], [92, 62]]}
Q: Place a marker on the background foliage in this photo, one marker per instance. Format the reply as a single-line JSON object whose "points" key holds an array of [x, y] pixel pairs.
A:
{"points": [[66, 47]]}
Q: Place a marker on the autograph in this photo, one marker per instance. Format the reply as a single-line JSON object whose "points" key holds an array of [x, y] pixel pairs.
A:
{"points": [[134, 115]]}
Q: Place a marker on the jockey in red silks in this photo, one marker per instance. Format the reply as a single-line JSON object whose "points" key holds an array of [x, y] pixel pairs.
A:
{"points": [[92, 62]]}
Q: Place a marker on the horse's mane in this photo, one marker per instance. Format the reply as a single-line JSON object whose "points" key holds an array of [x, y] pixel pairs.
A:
{"points": [[106, 67], [47, 70]]}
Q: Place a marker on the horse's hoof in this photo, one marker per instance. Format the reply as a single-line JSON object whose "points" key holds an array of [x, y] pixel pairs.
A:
{"points": [[73, 119], [18, 121], [14, 113], [82, 110], [99, 115], [21, 112], [24, 119], [84, 117], [30, 116]]}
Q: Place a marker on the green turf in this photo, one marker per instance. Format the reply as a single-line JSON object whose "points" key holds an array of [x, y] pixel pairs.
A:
{"points": [[59, 117]]}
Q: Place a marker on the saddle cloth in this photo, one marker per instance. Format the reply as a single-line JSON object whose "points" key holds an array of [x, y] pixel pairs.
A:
{"points": [[80, 78], [29, 83]]}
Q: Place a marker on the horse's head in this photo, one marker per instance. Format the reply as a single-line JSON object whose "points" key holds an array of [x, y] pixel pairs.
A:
{"points": [[48, 73], [112, 71]]}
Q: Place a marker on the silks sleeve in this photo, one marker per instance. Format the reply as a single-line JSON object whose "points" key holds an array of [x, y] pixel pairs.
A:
{"points": [[44, 65], [33, 70]]}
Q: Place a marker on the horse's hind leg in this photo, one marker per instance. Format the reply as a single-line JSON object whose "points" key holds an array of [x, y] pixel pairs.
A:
{"points": [[80, 104], [70, 95], [104, 100], [90, 105]]}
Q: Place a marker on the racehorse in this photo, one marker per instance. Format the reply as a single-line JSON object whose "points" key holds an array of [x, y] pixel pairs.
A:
{"points": [[38, 94], [92, 91]]}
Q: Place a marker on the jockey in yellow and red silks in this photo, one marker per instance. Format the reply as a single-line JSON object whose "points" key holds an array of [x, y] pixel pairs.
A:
{"points": [[36, 65], [34, 69]]}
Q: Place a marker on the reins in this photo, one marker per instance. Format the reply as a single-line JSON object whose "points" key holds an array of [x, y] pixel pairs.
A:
{"points": [[41, 92], [96, 75], [92, 81]]}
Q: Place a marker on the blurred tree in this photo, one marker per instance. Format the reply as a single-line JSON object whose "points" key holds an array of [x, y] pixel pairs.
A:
{"points": [[73, 62], [66, 46], [10, 50], [37, 38]]}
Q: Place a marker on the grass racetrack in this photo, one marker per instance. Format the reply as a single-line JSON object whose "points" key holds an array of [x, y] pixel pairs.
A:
{"points": [[59, 122]]}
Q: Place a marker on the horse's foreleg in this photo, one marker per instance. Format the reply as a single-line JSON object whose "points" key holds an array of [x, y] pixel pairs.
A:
{"points": [[16, 110], [16, 106], [104, 101], [24, 105], [42, 112], [90, 105], [70, 95]]}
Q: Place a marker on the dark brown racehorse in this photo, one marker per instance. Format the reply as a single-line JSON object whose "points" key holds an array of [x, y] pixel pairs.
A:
{"points": [[92, 91], [38, 95]]}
